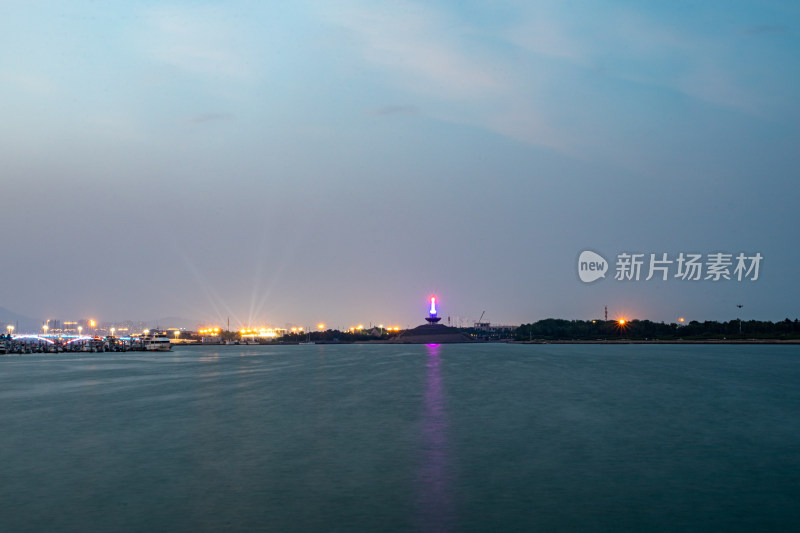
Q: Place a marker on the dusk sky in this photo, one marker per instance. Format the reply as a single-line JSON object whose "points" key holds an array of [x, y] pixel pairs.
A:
{"points": [[339, 162]]}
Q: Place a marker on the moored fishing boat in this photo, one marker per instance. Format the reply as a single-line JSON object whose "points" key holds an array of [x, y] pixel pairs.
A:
{"points": [[156, 341]]}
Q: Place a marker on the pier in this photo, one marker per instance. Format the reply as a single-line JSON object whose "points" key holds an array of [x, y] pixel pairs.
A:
{"points": [[31, 343]]}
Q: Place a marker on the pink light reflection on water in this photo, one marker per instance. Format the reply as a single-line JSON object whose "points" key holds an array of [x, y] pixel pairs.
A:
{"points": [[435, 500]]}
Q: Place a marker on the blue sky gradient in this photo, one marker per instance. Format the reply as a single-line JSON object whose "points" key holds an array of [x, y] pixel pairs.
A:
{"points": [[339, 162]]}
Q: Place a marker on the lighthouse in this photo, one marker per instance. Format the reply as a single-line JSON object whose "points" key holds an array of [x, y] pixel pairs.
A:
{"points": [[432, 318], [432, 332]]}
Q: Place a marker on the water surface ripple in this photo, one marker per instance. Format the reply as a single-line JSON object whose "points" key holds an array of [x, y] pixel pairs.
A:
{"points": [[403, 438]]}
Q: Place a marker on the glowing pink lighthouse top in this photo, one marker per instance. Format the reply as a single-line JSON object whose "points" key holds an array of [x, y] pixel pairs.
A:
{"points": [[432, 318]]}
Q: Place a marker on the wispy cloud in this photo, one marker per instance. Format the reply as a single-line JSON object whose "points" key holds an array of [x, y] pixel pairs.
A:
{"points": [[761, 29], [630, 46], [531, 76], [538, 33], [200, 40], [423, 50], [419, 48], [211, 117], [394, 110]]}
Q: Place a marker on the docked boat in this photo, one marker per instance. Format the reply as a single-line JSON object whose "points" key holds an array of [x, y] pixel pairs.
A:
{"points": [[156, 341]]}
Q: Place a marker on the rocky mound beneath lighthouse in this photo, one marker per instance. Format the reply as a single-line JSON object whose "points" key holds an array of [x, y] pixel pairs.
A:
{"points": [[431, 334]]}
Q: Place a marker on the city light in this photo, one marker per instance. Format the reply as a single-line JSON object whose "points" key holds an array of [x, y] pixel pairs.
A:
{"points": [[433, 305], [92, 323], [321, 326], [263, 332], [10, 329], [621, 321]]}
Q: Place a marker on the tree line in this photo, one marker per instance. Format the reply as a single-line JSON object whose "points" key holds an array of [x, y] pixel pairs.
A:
{"points": [[560, 329]]}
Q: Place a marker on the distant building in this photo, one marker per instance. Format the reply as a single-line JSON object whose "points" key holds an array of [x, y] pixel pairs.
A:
{"points": [[496, 328], [210, 335], [58, 327]]}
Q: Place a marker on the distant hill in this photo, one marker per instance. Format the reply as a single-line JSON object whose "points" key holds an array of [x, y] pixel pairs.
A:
{"points": [[26, 324], [21, 323], [173, 322]]}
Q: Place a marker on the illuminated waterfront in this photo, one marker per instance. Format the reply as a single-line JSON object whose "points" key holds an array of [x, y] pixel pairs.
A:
{"points": [[403, 438]]}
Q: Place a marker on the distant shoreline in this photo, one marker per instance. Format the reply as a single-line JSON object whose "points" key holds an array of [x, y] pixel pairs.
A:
{"points": [[671, 341], [535, 341]]}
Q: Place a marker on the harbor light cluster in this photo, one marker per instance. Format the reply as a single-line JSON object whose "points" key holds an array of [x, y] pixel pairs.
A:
{"points": [[360, 327], [263, 332]]}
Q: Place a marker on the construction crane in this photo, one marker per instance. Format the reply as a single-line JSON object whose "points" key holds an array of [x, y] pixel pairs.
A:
{"points": [[479, 320]]}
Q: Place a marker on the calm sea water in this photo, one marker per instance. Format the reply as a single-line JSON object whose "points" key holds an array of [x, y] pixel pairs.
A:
{"points": [[403, 438]]}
